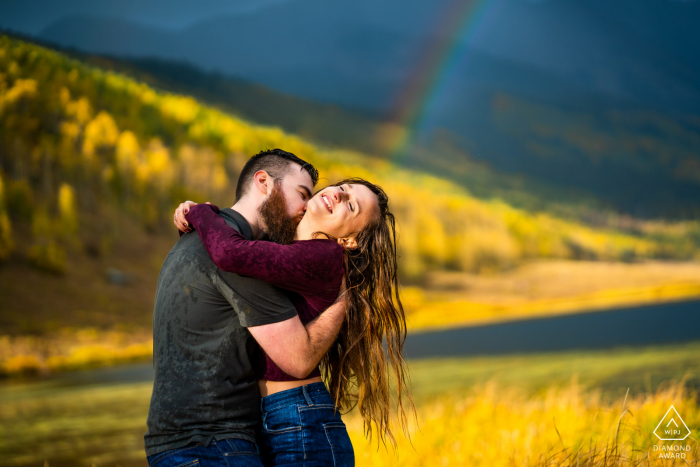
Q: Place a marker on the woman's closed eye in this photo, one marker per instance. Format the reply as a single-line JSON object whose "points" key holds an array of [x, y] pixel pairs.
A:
{"points": [[352, 208]]}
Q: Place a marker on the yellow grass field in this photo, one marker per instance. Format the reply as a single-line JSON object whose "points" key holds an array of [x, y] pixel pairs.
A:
{"points": [[543, 288], [553, 409], [492, 426]]}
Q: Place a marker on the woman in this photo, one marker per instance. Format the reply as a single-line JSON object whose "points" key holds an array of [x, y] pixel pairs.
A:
{"points": [[347, 235]]}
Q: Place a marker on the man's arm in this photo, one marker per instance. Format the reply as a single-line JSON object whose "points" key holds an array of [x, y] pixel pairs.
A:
{"points": [[296, 348]]}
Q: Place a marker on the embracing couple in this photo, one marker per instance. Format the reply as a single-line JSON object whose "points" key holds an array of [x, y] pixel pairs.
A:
{"points": [[255, 302]]}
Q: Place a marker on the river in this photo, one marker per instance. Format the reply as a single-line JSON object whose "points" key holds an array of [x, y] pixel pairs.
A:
{"points": [[637, 326]]}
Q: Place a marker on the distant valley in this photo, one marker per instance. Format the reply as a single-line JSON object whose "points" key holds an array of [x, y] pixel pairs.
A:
{"points": [[578, 100]]}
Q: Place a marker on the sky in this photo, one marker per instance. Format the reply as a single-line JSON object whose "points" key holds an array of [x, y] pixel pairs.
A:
{"points": [[22, 15]]}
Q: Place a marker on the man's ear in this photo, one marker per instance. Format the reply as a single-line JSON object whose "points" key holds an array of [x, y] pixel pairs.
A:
{"points": [[350, 243], [263, 181]]}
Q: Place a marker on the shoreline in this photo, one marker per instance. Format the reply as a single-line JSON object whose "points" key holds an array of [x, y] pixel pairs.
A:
{"points": [[37, 357], [451, 313]]}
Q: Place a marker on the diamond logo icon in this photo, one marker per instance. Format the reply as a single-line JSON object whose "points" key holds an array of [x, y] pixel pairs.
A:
{"points": [[672, 427]]}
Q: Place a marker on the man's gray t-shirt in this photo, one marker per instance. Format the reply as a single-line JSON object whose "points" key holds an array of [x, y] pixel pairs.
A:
{"points": [[203, 355]]}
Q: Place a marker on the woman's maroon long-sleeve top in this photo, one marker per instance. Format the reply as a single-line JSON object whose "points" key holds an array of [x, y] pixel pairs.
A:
{"points": [[313, 269]]}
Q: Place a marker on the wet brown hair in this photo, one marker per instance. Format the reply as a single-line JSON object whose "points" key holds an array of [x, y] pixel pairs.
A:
{"points": [[365, 360]]}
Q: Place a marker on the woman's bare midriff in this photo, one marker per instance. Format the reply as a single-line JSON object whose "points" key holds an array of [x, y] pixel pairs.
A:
{"points": [[270, 387]]}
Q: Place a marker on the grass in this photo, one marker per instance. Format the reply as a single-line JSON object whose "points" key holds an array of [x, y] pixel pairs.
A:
{"points": [[494, 426], [573, 408], [73, 426], [541, 288], [471, 411], [613, 371], [72, 349]]}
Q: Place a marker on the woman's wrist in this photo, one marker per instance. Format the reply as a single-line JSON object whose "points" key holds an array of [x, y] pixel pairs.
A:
{"points": [[195, 210]]}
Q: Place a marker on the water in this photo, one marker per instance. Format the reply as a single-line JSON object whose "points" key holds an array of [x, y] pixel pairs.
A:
{"points": [[638, 326]]}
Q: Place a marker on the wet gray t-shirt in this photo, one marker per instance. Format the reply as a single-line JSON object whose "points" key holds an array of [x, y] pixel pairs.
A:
{"points": [[203, 355]]}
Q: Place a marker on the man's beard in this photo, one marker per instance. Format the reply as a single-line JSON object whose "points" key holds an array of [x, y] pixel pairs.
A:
{"points": [[275, 222]]}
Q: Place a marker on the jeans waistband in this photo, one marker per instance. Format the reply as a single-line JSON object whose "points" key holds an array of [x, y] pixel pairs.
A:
{"points": [[309, 394]]}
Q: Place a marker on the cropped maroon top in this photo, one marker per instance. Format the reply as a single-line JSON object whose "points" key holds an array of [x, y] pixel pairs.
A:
{"points": [[313, 269]]}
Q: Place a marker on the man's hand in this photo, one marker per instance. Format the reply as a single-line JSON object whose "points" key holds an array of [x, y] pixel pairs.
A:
{"points": [[296, 348], [179, 216]]}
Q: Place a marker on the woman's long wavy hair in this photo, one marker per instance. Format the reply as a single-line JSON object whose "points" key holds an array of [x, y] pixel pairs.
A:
{"points": [[365, 361]]}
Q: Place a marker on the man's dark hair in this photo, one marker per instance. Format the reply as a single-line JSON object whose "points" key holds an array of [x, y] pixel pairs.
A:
{"points": [[276, 162]]}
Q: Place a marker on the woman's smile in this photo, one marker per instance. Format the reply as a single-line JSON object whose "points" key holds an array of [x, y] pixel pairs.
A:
{"points": [[339, 212], [327, 201]]}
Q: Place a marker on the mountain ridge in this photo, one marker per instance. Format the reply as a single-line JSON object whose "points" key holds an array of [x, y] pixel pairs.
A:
{"points": [[482, 137]]}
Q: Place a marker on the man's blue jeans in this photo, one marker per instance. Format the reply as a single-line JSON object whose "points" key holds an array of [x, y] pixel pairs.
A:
{"points": [[224, 453], [302, 427]]}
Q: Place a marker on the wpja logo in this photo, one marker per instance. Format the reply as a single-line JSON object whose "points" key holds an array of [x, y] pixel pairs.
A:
{"points": [[672, 428]]}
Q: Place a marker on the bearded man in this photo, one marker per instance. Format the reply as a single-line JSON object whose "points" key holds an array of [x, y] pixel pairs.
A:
{"points": [[209, 325]]}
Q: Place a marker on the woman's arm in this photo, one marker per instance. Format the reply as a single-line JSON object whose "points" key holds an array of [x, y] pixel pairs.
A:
{"points": [[179, 216], [304, 267]]}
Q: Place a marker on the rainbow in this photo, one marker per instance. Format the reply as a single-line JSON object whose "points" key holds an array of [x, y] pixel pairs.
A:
{"points": [[457, 24]]}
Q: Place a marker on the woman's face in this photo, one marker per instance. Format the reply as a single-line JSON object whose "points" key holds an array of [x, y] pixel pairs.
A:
{"points": [[342, 211]]}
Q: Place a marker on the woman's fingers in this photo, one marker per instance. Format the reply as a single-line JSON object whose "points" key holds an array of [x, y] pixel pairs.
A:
{"points": [[179, 216], [188, 205]]}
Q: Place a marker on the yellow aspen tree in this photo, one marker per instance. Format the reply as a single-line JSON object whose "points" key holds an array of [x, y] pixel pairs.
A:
{"points": [[100, 132], [68, 210]]}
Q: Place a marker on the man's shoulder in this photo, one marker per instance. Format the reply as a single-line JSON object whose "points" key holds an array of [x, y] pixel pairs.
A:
{"points": [[236, 220], [192, 244], [189, 256], [229, 216]]}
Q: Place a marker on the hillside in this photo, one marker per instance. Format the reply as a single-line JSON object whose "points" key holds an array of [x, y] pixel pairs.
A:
{"points": [[77, 137], [445, 156], [93, 164], [338, 127], [585, 96], [327, 124]]}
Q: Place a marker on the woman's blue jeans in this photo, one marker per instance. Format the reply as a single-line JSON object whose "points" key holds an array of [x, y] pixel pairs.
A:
{"points": [[302, 427]]}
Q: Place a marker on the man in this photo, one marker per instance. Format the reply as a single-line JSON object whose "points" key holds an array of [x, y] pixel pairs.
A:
{"points": [[205, 406]]}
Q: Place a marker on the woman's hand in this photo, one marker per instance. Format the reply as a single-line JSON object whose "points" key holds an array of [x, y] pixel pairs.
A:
{"points": [[179, 216]]}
